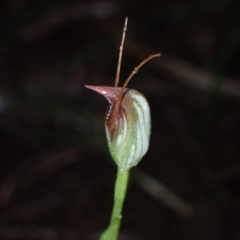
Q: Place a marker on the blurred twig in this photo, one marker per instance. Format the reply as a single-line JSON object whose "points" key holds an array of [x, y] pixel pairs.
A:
{"points": [[184, 71], [35, 169], [160, 192]]}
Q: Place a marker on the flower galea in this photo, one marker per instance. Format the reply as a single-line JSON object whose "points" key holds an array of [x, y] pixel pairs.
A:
{"points": [[127, 124]]}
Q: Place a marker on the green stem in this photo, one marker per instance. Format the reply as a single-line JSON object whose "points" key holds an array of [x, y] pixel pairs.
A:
{"points": [[111, 233]]}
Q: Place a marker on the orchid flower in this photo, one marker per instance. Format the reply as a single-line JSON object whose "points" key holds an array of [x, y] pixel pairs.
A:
{"points": [[128, 127]]}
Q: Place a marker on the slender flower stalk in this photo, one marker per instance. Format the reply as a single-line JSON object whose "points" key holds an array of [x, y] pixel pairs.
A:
{"points": [[111, 233], [128, 127]]}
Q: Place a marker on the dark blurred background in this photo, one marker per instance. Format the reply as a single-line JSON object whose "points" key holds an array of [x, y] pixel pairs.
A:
{"points": [[56, 174]]}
